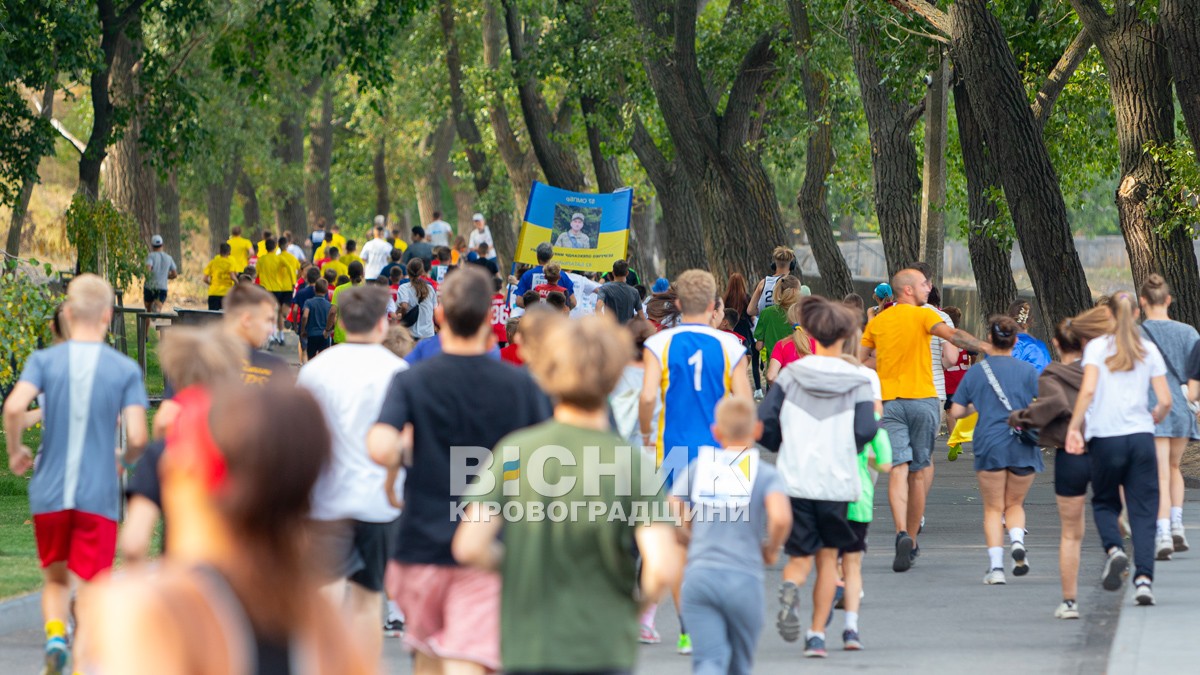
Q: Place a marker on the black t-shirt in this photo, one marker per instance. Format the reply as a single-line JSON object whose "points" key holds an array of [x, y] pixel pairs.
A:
{"points": [[488, 263], [451, 401], [144, 479], [621, 299]]}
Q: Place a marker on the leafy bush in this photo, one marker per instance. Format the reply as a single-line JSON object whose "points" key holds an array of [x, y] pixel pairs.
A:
{"points": [[28, 304], [106, 241]]}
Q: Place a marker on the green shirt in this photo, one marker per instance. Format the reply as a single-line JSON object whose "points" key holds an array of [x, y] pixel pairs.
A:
{"points": [[863, 510], [773, 326], [339, 333], [568, 595]]}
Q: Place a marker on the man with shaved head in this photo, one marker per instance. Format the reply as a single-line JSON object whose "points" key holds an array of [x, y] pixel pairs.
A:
{"points": [[900, 338]]}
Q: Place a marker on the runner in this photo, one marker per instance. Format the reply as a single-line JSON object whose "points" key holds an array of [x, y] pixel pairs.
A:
{"points": [[723, 584], [818, 419], [1118, 372], [737, 298], [535, 275], [355, 279], [419, 297], [160, 268], [571, 588], [334, 263], [1058, 387], [899, 338], [439, 231], [376, 254], [239, 249], [883, 298], [453, 613], [618, 298], [220, 277], [419, 248], [333, 240], [790, 349], [773, 322], [783, 259], [1005, 462], [482, 234], [1175, 341], [277, 273], [1029, 349], [74, 495], [500, 314], [250, 317], [688, 370], [314, 320], [553, 273], [351, 254], [354, 522]]}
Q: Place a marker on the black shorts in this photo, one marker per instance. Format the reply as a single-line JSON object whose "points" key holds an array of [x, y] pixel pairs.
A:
{"points": [[214, 302], [1072, 473], [860, 531], [315, 344], [283, 297], [817, 525], [353, 550], [150, 295]]}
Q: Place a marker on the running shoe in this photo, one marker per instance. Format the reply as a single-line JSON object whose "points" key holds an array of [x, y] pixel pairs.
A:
{"points": [[684, 646], [814, 648], [850, 641], [904, 549], [953, 453], [995, 577], [648, 636], [916, 553], [758, 395], [1179, 539], [1067, 610], [1020, 563], [1164, 546], [1143, 594], [393, 628], [788, 621], [56, 656], [839, 597], [1114, 569]]}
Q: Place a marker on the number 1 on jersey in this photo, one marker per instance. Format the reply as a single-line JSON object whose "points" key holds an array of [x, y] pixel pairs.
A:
{"points": [[696, 361]]}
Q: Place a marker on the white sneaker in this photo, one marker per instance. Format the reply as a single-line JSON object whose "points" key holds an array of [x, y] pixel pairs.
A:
{"points": [[1067, 610], [1143, 594], [1164, 546], [995, 577], [758, 395], [1179, 539]]}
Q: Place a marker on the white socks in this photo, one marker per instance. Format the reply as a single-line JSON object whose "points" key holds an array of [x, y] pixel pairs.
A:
{"points": [[852, 621], [1177, 515], [996, 556], [808, 635], [1164, 526], [648, 616], [393, 612], [1017, 535]]}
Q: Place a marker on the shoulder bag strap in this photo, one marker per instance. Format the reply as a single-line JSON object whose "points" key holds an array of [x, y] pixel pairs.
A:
{"points": [[1166, 360], [987, 370]]}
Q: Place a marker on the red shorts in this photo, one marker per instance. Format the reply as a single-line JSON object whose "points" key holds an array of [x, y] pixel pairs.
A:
{"points": [[449, 612], [85, 541]]}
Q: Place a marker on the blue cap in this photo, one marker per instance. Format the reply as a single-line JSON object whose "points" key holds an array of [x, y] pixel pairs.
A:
{"points": [[661, 285], [883, 291]]}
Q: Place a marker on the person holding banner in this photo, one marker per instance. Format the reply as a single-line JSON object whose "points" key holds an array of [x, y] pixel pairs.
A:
{"points": [[536, 276], [574, 237]]}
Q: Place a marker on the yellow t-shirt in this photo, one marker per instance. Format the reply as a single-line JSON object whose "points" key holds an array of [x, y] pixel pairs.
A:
{"points": [[277, 271], [218, 270], [900, 337], [239, 252], [351, 257], [400, 245], [335, 240], [337, 265]]}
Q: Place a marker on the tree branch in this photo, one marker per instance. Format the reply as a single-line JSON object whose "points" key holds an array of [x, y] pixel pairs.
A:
{"points": [[757, 67], [934, 16], [1057, 80], [913, 115], [129, 13], [652, 159], [79, 145], [1093, 16]]}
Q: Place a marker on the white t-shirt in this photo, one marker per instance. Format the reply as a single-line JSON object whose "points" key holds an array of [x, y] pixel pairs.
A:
{"points": [[297, 252], [439, 232], [1122, 403], [423, 328], [480, 237], [376, 254], [585, 295], [935, 350], [350, 382], [768, 293]]}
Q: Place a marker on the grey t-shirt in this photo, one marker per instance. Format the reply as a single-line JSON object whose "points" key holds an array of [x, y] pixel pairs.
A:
{"points": [[1175, 342], [420, 249], [160, 265], [621, 299], [733, 541], [86, 386]]}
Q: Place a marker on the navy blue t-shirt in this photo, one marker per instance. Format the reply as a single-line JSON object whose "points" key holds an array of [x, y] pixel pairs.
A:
{"points": [[318, 316]]}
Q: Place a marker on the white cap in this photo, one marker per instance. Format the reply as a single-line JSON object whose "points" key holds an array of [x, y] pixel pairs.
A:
{"points": [[477, 216], [156, 240]]}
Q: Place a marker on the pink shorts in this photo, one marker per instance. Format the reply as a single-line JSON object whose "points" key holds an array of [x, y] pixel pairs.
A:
{"points": [[449, 612]]}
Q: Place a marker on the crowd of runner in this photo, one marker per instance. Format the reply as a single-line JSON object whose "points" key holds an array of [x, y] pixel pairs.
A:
{"points": [[512, 472]]}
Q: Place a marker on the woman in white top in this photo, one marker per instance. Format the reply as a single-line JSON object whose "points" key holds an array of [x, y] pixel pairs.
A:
{"points": [[1118, 373], [417, 293], [764, 293], [482, 234]]}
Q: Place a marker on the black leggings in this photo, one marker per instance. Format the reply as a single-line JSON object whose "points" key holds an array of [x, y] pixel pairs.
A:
{"points": [[1130, 462]]}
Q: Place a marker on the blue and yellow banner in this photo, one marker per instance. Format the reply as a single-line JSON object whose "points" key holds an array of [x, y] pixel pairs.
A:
{"points": [[588, 231]]}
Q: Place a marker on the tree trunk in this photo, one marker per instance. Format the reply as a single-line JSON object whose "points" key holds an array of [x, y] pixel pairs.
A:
{"points": [[681, 229], [464, 203], [464, 119], [1135, 58], [169, 223], [20, 207], [289, 150], [813, 198], [318, 192], [643, 249], [846, 229], [894, 165], [129, 178], [218, 202], [383, 200], [991, 251], [92, 159], [251, 213], [933, 179], [434, 149], [980, 51], [1181, 27]]}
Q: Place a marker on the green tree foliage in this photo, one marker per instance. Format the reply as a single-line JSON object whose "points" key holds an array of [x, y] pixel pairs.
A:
{"points": [[106, 241]]}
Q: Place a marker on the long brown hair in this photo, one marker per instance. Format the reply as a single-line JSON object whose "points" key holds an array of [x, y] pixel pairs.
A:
{"points": [[787, 293], [1072, 333], [1126, 336], [416, 270], [736, 296]]}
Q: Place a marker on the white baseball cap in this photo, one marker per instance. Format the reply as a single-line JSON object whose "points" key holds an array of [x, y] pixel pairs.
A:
{"points": [[156, 240], [477, 216]]}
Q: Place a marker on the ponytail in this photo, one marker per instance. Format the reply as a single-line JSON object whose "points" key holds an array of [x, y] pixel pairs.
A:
{"points": [[416, 268], [1073, 333], [1127, 338]]}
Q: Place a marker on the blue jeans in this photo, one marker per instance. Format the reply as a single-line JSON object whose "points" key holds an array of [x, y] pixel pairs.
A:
{"points": [[723, 609]]}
